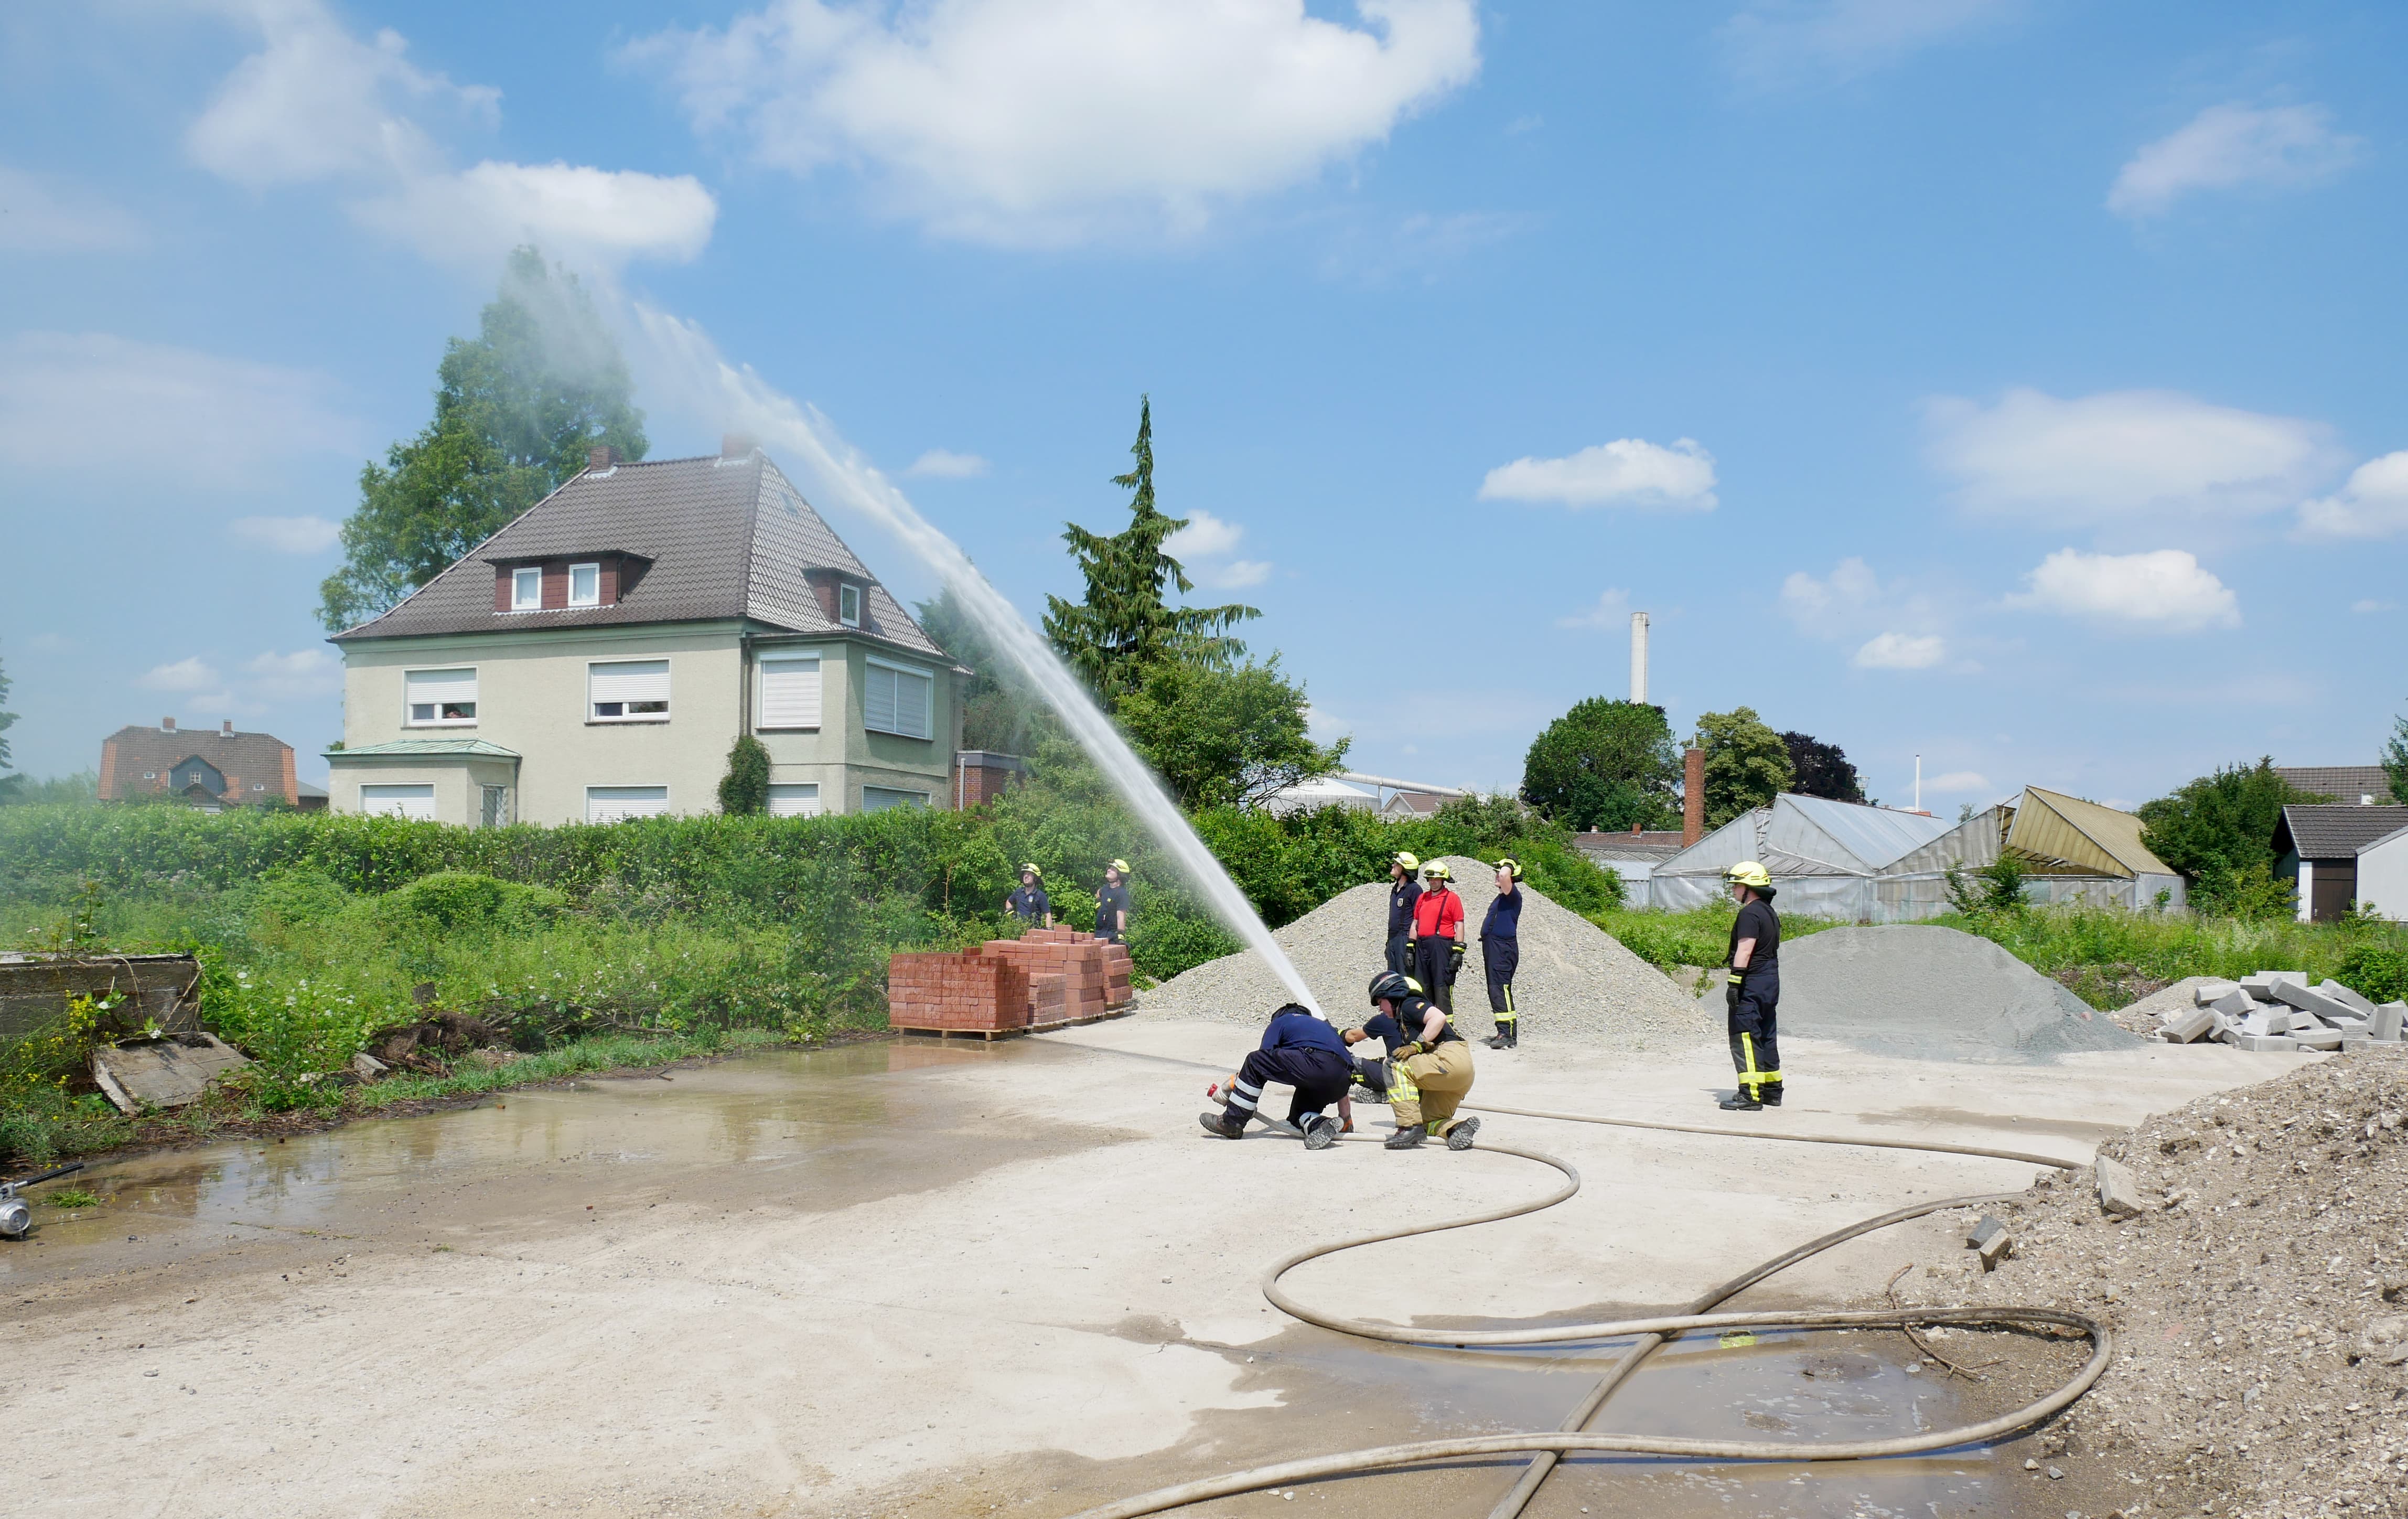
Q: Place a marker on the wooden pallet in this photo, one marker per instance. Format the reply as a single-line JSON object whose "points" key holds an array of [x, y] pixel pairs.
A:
{"points": [[1105, 1016], [989, 1034]]}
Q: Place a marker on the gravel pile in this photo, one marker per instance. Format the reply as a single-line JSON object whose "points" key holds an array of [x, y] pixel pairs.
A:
{"points": [[2259, 1299], [2144, 1016], [1577, 985], [1909, 989]]}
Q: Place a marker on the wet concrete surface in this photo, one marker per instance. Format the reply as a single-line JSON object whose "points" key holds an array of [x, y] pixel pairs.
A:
{"points": [[936, 1279]]}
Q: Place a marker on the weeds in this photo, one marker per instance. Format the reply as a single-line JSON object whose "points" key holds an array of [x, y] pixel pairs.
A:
{"points": [[71, 1198]]}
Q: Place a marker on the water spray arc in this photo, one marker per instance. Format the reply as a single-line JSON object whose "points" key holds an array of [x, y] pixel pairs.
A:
{"points": [[840, 473]]}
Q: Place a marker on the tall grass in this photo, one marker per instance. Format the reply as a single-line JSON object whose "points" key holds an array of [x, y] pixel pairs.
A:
{"points": [[2109, 947]]}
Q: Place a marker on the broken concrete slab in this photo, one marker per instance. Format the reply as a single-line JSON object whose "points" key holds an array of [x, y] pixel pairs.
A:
{"points": [[2235, 1003], [368, 1067], [2119, 1190], [170, 1072], [2318, 1039], [2347, 997], [2307, 999], [2207, 994], [2187, 1025], [2260, 984], [2266, 1043], [2389, 1019]]}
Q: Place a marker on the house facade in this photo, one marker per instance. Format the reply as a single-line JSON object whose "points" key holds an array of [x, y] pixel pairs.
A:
{"points": [[2320, 845], [209, 770], [595, 659]]}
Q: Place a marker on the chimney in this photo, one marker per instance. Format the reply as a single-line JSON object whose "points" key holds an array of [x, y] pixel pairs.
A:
{"points": [[1693, 796], [601, 456], [167, 724], [1639, 658], [227, 728], [736, 445]]}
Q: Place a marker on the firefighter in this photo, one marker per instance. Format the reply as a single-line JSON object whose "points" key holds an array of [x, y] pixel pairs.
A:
{"points": [[1403, 892], [1437, 944], [1113, 904], [1501, 953], [1429, 1066], [1304, 1052], [1752, 990], [1030, 904]]}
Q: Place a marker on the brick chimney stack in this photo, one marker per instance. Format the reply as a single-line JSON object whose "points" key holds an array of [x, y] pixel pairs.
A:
{"points": [[1693, 796], [227, 728], [167, 724], [736, 445], [601, 456]]}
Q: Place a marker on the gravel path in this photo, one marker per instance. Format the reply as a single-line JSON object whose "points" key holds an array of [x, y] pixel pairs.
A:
{"points": [[1912, 989], [1576, 984]]}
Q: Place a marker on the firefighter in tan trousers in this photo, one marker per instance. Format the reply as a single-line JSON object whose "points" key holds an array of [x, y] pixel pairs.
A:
{"points": [[1428, 1068]]}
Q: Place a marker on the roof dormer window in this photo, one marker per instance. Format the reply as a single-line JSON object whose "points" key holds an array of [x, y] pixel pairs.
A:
{"points": [[848, 605], [585, 585], [526, 589]]}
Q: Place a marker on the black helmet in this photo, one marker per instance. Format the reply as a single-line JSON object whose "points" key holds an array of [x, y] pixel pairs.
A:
{"points": [[1387, 986]]}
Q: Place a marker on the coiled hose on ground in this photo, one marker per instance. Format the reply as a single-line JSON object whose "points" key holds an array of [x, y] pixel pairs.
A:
{"points": [[1548, 1447]]}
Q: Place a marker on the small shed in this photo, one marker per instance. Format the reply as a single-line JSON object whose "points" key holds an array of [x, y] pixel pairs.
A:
{"points": [[1825, 857], [2383, 876], [2321, 843]]}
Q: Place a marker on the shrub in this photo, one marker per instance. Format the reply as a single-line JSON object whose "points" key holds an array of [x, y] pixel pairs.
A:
{"points": [[2378, 972]]}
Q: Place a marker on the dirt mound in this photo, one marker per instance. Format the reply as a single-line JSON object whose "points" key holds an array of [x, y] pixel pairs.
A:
{"points": [[1908, 989], [1576, 982], [2260, 1302], [428, 1045]]}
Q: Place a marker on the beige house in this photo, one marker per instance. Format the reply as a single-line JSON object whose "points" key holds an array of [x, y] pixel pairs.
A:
{"points": [[595, 659]]}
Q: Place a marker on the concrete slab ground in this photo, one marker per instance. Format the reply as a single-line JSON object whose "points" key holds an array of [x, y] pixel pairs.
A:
{"points": [[961, 1279]]}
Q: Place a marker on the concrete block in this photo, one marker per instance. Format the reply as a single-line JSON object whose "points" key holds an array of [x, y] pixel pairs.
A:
{"points": [[2308, 999], [2267, 1043], [2261, 984], [2317, 1039], [368, 1067], [2259, 1022], [2355, 1041], [2207, 993], [2389, 1019], [1985, 1231], [2119, 1190], [2347, 997], [2235, 1003], [2188, 1026], [1996, 1248]]}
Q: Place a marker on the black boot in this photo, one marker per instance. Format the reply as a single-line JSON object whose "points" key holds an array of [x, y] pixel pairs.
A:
{"points": [[1769, 1094], [1409, 1136], [1222, 1124], [1460, 1137], [1740, 1102], [1320, 1132], [1513, 1034]]}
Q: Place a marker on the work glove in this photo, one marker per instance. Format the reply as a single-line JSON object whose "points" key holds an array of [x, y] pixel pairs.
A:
{"points": [[1412, 944], [1456, 949], [1730, 989], [1403, 1052]]}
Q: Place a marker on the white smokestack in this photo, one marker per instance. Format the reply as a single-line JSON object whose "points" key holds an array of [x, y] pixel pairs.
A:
{"points": [[1638, 657]]}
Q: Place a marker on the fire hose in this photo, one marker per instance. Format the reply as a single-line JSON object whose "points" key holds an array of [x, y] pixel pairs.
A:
{"points": [[1547, 1448]]}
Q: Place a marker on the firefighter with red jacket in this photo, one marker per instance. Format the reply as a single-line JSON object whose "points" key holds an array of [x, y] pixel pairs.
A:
{"points": [[1436, 945]]}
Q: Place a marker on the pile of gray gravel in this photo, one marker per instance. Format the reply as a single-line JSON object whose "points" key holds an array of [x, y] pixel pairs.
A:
{"points": [[1909, 989], [1577, 985]]}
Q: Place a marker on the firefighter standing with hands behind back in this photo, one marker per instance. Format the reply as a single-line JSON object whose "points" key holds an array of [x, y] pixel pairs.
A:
{"points": [[1403, 892], [1437, 935]]}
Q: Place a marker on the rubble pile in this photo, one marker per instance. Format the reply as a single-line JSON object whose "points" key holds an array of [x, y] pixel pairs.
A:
{"points": [[2278, 1009]]}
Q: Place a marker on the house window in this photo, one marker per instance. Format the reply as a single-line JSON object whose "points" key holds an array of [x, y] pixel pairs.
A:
{"points": [[848, 605], [494, 809], [585, 585], [790, 692], [896, 698], [526, 589], [628, 691], [880, 798], [616, 804], [799, 801], [416, 802], [440, 699]]}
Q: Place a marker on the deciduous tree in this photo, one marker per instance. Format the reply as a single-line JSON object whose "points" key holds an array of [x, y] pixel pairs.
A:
{"points": [[1746, 764], [2218, 830], [2394, 759], [517, 409], [1605, 765], [1821, 770], [1223, 736]]}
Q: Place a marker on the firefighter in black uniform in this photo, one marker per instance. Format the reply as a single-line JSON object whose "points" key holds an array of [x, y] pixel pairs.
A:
{"points": [[1403, 892], [1501, 953], [1030, 904], [1753, 992]]}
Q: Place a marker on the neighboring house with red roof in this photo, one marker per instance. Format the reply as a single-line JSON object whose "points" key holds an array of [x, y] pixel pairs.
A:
{"points": [[595, 659], [208, 769]]}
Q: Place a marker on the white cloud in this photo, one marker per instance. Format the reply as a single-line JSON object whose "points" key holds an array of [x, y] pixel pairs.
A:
{"points": [[1852, 587], [1204, 546], [304, 672], [2372, 605], [2373, 503], [1233, 575], [2226, 147], [1629, 471], [944, 464], [191, 673], [317, 104], [2164, 591], [289, 535], [38, 215], [1049, 122], [1772, 40], [89, 401], [2123, 453], [1611, 612], [1901, 651], [54, 643], [1956, 782]]}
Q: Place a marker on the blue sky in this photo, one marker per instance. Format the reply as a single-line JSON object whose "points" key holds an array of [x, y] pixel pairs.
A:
{"points": [[2012, 383]]}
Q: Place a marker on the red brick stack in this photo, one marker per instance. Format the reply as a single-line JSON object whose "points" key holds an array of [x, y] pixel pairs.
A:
{"points": [[971, 992], [1116, 977], [1078, 958]]}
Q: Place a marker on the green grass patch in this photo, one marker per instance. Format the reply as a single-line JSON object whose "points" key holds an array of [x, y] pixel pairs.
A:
{"points": [[1699, 937], [2103, 952], [71, 1198]]}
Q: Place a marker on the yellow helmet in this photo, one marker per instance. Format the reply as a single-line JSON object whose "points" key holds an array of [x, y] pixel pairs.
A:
{"points": [[1030, 869], [1509, 863], [1747, 873], [1121, 866], [1407, 858], [1437, 870]]}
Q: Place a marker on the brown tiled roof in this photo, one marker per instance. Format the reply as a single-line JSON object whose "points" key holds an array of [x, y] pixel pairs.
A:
{"points": [[2344, 783], [1651, 844], [246, 760], [727, 538], [2334, 831]]}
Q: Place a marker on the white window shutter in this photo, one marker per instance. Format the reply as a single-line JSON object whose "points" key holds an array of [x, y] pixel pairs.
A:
{"points": [[914, 693], [441, 686], [612, 804], [790, 694], [897, 700], [637, 680], [878, 699], [797, 800]]}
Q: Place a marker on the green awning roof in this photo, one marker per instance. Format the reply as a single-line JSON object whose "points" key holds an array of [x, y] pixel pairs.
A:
{"points": [[425, 749]]}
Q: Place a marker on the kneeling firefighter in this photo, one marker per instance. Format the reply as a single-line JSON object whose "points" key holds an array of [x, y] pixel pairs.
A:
{"points": [[1308, 1054], [1752, 990], [1428, 1067]]}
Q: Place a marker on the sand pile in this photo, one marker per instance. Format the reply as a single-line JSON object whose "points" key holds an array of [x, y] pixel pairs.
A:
{"points": [[1911, 990], [1577, 983]]}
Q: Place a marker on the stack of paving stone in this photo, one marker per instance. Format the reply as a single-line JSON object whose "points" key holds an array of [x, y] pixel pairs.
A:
{"points": [[2278, 1009]]}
